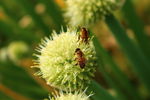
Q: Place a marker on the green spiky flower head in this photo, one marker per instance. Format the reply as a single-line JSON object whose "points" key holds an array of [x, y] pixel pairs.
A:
{"points": [[87, 12], [58, 62]]}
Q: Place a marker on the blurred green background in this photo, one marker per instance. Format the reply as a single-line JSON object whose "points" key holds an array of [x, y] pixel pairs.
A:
{"points": [[23, 23]]}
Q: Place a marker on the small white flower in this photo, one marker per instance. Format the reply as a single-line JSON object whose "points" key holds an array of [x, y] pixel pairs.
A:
{"points": [[87, 12], [57, 61]]}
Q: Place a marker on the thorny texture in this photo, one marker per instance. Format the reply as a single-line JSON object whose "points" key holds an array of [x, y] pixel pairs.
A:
{"points": [[57, 61]]}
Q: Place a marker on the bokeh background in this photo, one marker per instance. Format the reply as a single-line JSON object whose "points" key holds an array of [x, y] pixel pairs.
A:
{"points": [[23, 23]]}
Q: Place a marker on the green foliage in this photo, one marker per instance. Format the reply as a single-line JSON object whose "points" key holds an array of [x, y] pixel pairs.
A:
{"points": [[132, 51], [15, 77], [137, 26], [99, 92], [121, 82], [18, 80]]}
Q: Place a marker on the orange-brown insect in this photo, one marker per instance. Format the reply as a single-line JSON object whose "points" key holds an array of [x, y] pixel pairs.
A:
{"points": [[81, 61], [84, 35]]}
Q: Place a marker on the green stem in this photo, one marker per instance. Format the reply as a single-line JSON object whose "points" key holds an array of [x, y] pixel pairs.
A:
{"points": [[134, 54], [137, 26]]}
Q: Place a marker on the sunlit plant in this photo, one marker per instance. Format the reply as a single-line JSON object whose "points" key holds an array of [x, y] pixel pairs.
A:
{"points": [[67, 60]]}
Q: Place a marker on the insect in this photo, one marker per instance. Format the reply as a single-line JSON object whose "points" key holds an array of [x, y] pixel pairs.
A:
{"points": [[81, 61], [84, 35]]}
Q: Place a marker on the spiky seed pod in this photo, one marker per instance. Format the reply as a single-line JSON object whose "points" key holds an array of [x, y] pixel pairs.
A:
{"points": [[57, 61], [87, 12]]}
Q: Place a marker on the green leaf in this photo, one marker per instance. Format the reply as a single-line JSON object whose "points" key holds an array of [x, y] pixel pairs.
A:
{"points": [[137, 26], [121, 80], [99, 92], [54, 12], [29, 8], [136, 57], [17, 33], [18, 80]]}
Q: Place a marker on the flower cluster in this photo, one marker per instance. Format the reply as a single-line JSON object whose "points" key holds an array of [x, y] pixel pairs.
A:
{"points": [[87, 12], [58, 62]]}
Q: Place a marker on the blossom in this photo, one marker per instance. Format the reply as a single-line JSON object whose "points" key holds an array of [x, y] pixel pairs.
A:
{"points": [[57, 60], [87, 12]]}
